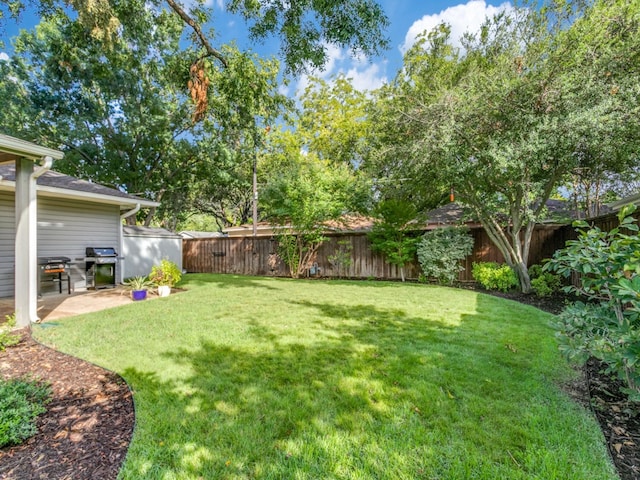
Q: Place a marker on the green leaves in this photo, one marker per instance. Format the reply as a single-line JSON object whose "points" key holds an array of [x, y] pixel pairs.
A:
{"points": [[528, 101], [305, 28], [441, 252], [609, 274], [21, 401], [390, 234], [303, 194]]}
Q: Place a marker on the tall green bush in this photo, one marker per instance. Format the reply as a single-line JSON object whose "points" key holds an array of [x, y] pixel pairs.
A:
{"points": [[390, 234], [607, 326], [441, 251]]}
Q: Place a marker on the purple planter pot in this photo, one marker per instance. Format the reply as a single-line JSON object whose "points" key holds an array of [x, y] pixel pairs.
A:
{"points": [[139, 294]]}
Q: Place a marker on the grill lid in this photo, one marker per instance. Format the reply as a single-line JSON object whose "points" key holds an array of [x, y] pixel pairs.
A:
{"points": [[50, 260], [101, 252]]}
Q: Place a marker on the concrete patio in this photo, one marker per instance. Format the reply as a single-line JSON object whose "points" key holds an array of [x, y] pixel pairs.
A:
{"points": [[56, 306]]}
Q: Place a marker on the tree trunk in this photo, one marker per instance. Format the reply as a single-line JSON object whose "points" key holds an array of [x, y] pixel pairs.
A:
{"points": [[511, 249], [522, 273]]}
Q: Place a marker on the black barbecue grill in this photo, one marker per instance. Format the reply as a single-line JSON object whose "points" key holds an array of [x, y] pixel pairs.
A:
{"points": [[101, 267], [53, 271]]}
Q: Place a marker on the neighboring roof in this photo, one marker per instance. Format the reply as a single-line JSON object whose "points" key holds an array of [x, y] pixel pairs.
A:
{"points": [[60, 185], [12, 148], [453, 213], [196, 234], [350, 223], [246, 230], [558, 211], [450, 214], [142, 231], [632, 199]]}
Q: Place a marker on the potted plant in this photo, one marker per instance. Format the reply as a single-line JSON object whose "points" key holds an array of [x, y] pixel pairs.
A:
{"points": [[165, 276], [138, 287]]}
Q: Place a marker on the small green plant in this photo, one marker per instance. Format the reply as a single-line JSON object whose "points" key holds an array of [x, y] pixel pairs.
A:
{"points": [[167, 273], [543, 283], [493, 276], [341, 259], [138, 283], [21, 401], [441, 251], [7, 337]]}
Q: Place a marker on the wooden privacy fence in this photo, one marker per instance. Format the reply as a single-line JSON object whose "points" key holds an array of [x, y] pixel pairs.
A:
{"points": [[257, 256]]}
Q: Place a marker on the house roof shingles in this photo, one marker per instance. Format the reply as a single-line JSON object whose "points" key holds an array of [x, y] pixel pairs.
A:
{"points": [[66, 182]]}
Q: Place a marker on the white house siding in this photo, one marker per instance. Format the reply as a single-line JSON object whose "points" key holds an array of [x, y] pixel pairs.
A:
{"points": [[141, 252], [7, 243], [67, 227]]}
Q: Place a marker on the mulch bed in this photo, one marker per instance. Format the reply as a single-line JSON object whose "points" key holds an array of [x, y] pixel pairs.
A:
{"points": [[88, 425], [86, 430]]}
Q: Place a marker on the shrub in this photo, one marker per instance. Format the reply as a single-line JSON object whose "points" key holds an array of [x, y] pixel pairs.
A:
{"points": [[21, 401], [543, 283], [341, 259], [441, 251], [608, 328], [7, 337], [167, 273], [493, 276]]}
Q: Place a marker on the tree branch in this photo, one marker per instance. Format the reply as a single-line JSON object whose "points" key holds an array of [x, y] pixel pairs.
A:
{"points": [[198, 31]]}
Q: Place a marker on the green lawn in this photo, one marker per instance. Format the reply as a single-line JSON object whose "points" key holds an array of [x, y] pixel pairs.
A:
{"points": [[243, 377]]}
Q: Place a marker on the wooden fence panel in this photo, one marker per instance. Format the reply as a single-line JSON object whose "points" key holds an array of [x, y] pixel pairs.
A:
{"points": [[257, 256]]}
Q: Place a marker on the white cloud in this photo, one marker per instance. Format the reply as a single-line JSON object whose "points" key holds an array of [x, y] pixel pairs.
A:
{"points": [[369, 78], [4, 57], [364, 74], [219, 4], [462, 18]]}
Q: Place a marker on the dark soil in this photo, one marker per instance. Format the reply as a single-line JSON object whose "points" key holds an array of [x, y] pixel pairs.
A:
{"points": [[86, 430], [88, 425]]}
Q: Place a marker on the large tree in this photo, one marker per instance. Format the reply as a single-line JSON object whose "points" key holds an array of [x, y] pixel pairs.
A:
{"points": [[503, 121], [134, 108], [122, 113], [305, 28], [304, 194], [333, 121]]}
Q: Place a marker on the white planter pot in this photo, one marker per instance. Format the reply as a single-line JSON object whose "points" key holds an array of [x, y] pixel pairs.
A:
{"points": [[164, 290]]}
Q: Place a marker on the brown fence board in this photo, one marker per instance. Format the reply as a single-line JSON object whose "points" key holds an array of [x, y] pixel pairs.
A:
{"points": [[257, 256]]}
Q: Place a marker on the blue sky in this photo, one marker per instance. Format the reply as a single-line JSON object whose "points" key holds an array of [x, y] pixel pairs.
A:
{"points": [[407, 18]]}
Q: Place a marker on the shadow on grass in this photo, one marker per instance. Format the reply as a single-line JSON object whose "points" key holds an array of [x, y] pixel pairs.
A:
{"points": [[225, 281], [288, 408], [376, 395]]}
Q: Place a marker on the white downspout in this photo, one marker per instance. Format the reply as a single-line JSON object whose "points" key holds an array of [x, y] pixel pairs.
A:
{"points": [[47, 163], [126, 214]]}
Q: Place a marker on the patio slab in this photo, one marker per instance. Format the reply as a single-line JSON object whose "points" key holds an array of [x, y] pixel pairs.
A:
{"points": [[52, 307]]}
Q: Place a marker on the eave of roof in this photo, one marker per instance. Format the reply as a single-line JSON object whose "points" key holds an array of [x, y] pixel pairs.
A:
{"points": [[617, 205], [58, 185], [12, 148]]}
